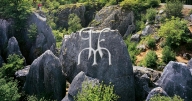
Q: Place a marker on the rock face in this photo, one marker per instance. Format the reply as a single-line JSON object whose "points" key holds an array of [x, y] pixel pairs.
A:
{"points": [[64, 12], [45, 76], [177, 79], [44, 40], [1, 61], [3, 35], [156, 91], [13, 47], [21, 74], [115, 17], [76, 85], [144, 78], [118, 71]]}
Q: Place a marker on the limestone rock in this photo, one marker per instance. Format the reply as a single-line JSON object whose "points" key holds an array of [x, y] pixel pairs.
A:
{"points": [[1, 61], [45, 76], [115, 17], [21, 74], [76, 85], [147, 30], [177, 79], [64, 12], [13, 47], [156, 91], [44, 40], [135, 37], [119, 72]]}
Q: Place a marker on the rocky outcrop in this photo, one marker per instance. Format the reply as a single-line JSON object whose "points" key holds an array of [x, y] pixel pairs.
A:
{"points": [[42, 41], [21, 74], [147, 30], [3, 35], [115, 17], [45, 77], [13, 47], [156, 91], [144, 81], [64, 12], [177, 80], [135, 37], [76, 85], [1, 61], [117, 69]]}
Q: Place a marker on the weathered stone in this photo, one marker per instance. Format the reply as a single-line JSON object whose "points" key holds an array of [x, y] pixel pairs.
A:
{"points": [[135, 37], [1, 61], [44, 40], [76, 85], [45, 76], [64, 12], [3, 34], [115, 17], [21, 74], [144, 78], [141, 47], [147, 30], [119, 73], [177, 80], [156, 91], [13, 47], [189, 64]]}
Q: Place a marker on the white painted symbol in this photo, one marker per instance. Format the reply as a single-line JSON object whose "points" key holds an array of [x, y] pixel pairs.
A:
{"points": [[99, 48]]}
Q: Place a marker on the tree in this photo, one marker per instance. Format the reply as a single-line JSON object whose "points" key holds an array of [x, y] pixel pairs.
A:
{"points": [[74, 23], [173, 8], [150, 59], [168, 55], [32, 32]]}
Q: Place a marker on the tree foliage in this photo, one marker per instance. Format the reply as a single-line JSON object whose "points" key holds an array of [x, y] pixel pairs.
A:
{"points": [[168, 55], [32, 31], [150, 59], [173, 8], [166, 98], [74, 23]]}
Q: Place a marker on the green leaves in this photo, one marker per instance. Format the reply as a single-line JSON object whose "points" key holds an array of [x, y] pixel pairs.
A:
{"points": [[150, 59], [168, 55], [74, 23], [32, 31]]}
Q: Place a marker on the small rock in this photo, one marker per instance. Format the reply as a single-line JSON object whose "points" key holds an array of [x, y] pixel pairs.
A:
{"points": [[156, 91], [142, 48], [135, 38], [21, 74], [147, 30], [161, 11]]}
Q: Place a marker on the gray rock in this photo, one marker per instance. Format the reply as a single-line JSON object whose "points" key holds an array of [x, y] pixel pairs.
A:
{"points": [[177, 80], [44, 40], [1, 61], [186, 56], [147, 30], [156, 91], [3, 34], [76, 85], [141, 47], [189, 64], [144, 78], [161, 11], [21, 74], [64, 12], [119, 73], [13, 47], [45, 76], [135, 38], [115, 17]]}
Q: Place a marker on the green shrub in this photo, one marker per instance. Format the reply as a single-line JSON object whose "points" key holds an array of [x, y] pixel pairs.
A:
{"points": [[151, 43], [8, 90], [32, 32], [150, 15], [173, 8], [140, 25], [153, 3], [174, 31], [100, 92], [150, 59], [74, 23], [165, 98], [14, 63], [168, 55]]}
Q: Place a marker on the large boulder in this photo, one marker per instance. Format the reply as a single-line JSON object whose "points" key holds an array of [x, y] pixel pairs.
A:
{"points": [[144, 81], [177, 80], [76, 85], [156, 91], [110, 63], [43, 40], [13, 47], [64, 12], [115, 17], [46, 77]]}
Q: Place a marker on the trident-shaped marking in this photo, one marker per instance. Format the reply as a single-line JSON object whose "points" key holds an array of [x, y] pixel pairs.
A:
{"points": [[99, 48]]}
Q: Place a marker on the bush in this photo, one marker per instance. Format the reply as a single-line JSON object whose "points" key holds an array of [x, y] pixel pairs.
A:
{"points": [[150, 59], [174, 31], [32, 32], [153, 3], [173, 8], [165, 98], [100, 92], [168, 55], [74, 23], [8, 90], [150, 15], [151, 43], [14, 63]]}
